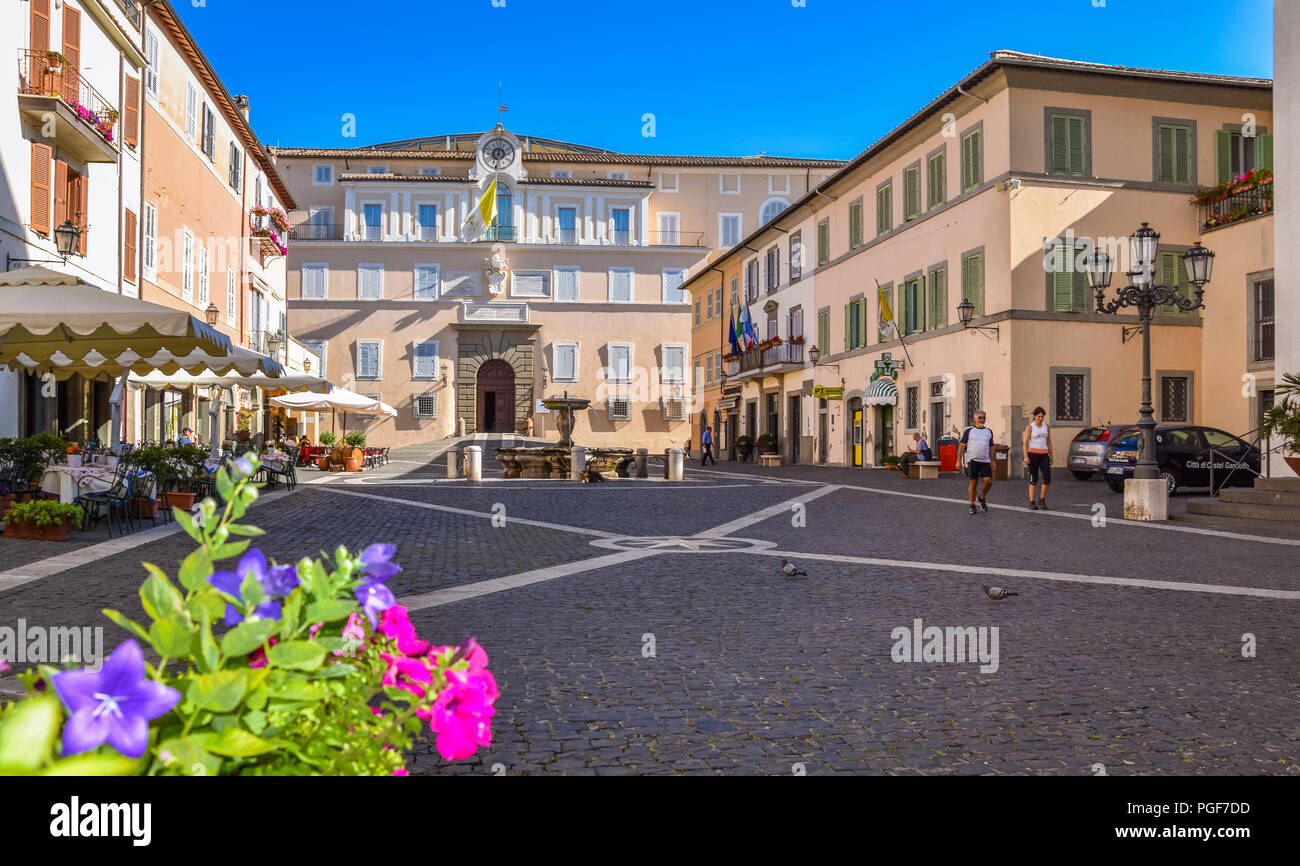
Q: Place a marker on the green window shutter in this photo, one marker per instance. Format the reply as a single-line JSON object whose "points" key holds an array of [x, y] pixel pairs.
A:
{"points": [[1264, 151], [1061, 291], [862, 321], [824, 331], [1165, 153], [935, 180], [972, 161], [1182, 154], [966, 171], [823, 242], [848, 326], [1078, 157], [884, 218], [938, 298], [855, 225], [1079, 295], [920, 303], [1069, 284], [900, 310], [1222, 156], [911, 194], [1170, 271], [972, 279], [1060, 145]]}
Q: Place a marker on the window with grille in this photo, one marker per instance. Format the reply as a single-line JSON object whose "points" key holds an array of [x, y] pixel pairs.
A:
{"points": [[1264, 320], [913, 407], [936, 389], [972, 399], [620, 409], [1174, 399], [426, 405], [674, 410], [1069, 397]]}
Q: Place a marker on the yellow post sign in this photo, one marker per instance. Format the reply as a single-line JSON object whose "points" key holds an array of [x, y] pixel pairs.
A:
{"points": [[826, 392]]}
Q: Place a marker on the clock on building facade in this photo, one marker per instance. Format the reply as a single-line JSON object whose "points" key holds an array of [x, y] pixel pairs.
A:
{"points": [[498, 153]]}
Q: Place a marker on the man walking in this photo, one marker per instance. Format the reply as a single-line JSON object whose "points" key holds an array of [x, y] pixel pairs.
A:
{"points": [[706, 447], [977, 441]]}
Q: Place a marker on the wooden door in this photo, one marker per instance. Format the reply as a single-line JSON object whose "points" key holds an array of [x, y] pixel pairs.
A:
{"points": [[496, 397]]}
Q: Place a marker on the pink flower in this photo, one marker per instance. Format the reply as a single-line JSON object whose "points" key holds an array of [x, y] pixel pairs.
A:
{"points": [[395, 622], [353, 633], [460, 715], [404, 673], [257, 658], [4, 665], [400, 771]]}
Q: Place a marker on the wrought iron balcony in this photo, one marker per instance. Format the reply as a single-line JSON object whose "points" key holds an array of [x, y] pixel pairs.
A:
{"points": [[310, 231], [86, 124], [1241, 204], [774, 359]]}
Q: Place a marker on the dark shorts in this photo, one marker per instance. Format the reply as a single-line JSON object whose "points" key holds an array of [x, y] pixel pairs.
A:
{"points": [[1040, 465], [980, 469]]}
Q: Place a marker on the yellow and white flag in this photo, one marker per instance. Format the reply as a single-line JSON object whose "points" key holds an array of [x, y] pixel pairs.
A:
{"points": [[479, 218], [887, 326]]}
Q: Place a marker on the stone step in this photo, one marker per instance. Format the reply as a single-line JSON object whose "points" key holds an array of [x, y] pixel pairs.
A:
{"points": [[1279, 528], [1259, 497], [1290, 485], [1241, 509]]}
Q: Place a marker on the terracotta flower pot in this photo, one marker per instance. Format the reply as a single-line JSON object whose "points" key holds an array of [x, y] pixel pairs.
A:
{"points": [[323, 463], [183, 501], [141, 507], [29, 530]]}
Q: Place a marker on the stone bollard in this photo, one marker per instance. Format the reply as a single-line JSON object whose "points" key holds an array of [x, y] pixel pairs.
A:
{"points": [[676, 458], [666, 462], [473, 463], [642, 463], [453, 463], [577, 462]]}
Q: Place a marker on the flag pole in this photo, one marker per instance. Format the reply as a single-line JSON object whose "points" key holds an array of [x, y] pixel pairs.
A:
{"points": [[897, 329]]}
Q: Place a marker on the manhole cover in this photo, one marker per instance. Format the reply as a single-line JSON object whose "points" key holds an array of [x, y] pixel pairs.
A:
{"points": [[682, 544]]}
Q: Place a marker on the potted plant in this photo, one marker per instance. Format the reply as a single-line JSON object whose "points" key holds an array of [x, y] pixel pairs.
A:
{"points": [[1283, 419], [155, 462], [744, 446], [41, 519], [327, 439], [184, 469], [74, 455], [766, 444], [890, 462], [356, 458]]}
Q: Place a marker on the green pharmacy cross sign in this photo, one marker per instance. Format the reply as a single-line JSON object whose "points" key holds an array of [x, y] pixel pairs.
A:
{"points": [[887, 366]]}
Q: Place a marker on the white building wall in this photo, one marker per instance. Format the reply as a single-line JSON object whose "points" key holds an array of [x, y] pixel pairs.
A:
{"points": [[1286, 116]]}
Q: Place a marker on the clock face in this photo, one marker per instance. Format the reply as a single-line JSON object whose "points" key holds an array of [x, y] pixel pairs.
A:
{"points": [[498, 153]]}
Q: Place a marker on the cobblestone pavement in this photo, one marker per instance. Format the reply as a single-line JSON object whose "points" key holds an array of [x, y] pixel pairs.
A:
{"points": [[693, 654]]}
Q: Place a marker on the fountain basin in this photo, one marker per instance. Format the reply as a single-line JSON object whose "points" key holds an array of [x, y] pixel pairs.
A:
{"points": [[552, 461]]}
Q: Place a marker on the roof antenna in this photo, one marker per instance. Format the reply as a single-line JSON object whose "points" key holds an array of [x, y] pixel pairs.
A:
{"points": [[500, 106]]}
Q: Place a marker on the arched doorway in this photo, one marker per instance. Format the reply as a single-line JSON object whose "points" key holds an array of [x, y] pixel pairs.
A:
{"points": [[496, 397]]}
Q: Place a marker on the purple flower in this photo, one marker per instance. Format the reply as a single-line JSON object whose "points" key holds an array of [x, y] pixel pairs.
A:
{"points": [[113, 705], [277, 582], [374, 598], [375, 560], [243, 467]]}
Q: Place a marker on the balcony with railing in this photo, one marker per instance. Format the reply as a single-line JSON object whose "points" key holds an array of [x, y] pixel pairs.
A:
{"points": [[1239, 199], [770, 359], [310, 231], [85, 121]]}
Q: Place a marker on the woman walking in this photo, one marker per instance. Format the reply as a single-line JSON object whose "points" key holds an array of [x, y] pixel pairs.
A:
{"points": [[1038, 457]]}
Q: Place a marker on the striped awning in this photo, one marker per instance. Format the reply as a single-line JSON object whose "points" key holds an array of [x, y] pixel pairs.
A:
{"points": [[883, 392]]}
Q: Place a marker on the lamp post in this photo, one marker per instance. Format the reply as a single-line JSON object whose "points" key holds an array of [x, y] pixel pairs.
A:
{"points": [[1146, 295], [815, 356], [66, 237], [211, 314], [966, 312]]}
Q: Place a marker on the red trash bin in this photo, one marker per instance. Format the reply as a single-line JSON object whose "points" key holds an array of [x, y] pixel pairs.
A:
{"points": [[948, 458]]}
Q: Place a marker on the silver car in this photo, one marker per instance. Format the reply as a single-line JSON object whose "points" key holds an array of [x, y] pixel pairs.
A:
{"points": [[1088, 451]]}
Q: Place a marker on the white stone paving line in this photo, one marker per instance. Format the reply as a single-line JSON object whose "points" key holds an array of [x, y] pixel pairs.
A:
{"points": [[1029, 574], [482, 515], [767, 513], [42, 568]]}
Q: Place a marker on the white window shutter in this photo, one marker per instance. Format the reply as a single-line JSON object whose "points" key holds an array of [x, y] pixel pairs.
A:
{"points": [[426, 282], [566, 361], [426, 359]]}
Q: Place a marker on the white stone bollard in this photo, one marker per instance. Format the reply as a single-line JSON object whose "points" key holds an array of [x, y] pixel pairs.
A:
{"points": [[676, 459], [577, 462], [453, 463], [1146, 499], [473, 463]]}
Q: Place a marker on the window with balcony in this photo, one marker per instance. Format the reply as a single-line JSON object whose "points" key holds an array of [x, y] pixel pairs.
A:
{"points": [[372, 221], [426, 217], [1236, 153], [670, 224], [426, 282], [621, 225], [567, 225], [320, 224]]}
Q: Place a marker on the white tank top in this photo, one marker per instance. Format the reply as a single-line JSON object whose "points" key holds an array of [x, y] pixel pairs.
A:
{"points": [[1038, 437]]}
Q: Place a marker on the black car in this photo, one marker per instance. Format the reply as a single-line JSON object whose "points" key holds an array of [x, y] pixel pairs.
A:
{"points": [[1183, 454]]}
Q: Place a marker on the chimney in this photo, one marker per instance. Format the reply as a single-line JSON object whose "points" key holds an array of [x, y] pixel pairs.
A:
{"points": [[241, 102]]}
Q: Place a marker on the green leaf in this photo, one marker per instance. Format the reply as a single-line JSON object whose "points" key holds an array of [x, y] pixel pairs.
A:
{"points": [[209, 655], [239, 743], [291, 615], [226, 551], [251, 591], [255, 720], [159, 597], [334, 671], [297, 655], [298, 690], [256, 698], [96, 765], [172, 637], [209, 601], [225, 488], [312, 575], [187, 523], [220, 692], [331, 610], [130, 625], [195, 570], [246, 637], [188, 757], [245, 529], [28, 733]]}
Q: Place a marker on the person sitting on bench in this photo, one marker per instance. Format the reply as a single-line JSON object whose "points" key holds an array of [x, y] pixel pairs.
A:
{"points": [[920, 450]]}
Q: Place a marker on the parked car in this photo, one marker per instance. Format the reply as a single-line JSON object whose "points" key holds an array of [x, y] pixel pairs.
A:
{"points": [[1088, 451], [1183, 455]]}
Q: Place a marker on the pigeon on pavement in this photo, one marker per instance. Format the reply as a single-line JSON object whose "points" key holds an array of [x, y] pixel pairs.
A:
{"points": [[789, 570], [997, 593]]}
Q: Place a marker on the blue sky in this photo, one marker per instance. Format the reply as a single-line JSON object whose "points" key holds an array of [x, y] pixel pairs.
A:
{"points": [[727, 77]]}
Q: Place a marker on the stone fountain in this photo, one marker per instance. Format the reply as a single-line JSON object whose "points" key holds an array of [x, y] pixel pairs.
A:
{"points": [[555, 461]]}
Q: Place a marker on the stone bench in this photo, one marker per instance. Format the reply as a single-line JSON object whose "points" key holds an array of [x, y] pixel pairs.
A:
{"points": [[771, 460], [927, 468]]}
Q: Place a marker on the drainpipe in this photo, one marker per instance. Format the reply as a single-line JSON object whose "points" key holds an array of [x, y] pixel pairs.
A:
{"points": [[723, 342]]}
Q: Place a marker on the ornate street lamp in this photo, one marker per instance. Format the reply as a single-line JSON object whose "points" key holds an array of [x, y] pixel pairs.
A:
{"points": [[273, 343], [1146, 295], [66, 238], [814, 355], [211, 314], [966, 312]]}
